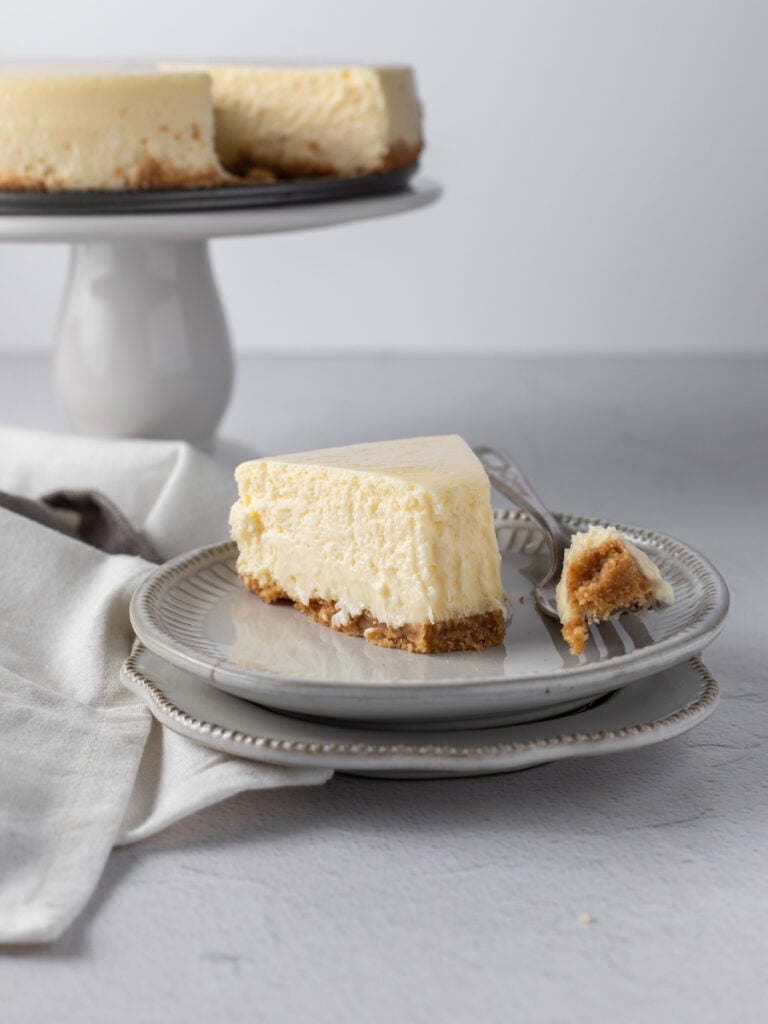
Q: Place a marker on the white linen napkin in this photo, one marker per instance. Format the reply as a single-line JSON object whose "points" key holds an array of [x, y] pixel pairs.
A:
{"points": [[83, 765]]}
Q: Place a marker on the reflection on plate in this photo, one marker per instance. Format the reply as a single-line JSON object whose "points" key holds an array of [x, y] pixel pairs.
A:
{"points": [[195, 613], [640, 714], [231, 197]]}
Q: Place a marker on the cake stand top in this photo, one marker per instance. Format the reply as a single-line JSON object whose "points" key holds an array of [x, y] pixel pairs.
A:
{"points": [[46, 224]]}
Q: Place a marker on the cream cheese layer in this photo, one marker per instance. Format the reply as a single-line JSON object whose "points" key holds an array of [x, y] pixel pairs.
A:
{"points": [[81, 129], [326, 120], [400, 529]]}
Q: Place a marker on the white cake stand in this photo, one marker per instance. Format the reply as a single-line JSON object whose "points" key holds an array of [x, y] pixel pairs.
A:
{"points": [[143, 348]]}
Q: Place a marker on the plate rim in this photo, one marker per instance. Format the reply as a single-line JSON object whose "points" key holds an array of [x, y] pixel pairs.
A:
{"points": [[656, 657], [419, 755]]}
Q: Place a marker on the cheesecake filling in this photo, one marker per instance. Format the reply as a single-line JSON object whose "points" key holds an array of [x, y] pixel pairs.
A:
{"points": [[605, 575], [390, 562]]}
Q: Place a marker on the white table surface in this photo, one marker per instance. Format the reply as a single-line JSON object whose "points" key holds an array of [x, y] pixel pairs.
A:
{"points": [[462, 900]]}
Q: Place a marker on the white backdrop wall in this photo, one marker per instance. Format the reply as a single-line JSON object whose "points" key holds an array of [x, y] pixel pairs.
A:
{"points": [[605, 165]]}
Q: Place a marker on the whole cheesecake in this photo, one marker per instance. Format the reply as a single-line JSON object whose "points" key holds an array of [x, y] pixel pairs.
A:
{"points": [[79, 127], [605, 575], [129, 126], [393, 541], [330, 120]]}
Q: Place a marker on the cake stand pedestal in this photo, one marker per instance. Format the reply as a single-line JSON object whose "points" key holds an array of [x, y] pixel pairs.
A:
{"points": [[143, 348]]}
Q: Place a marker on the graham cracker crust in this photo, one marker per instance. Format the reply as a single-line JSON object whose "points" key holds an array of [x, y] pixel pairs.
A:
{"points": [[147, 175], [605, 581], [151, 174], [254, 166], [472, 633]]}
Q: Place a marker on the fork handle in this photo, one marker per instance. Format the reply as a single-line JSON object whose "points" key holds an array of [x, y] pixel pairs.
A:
{"points": [[509, 480]]}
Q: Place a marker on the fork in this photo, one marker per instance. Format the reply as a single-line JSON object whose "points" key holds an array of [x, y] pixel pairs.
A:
{"points": [[509, 480]]}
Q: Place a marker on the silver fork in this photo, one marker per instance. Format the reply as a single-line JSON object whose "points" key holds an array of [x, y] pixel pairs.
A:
{"points": [[509, 480]]}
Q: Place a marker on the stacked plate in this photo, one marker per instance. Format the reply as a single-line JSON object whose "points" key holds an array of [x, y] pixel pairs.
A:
{"points": [[262, 681]]}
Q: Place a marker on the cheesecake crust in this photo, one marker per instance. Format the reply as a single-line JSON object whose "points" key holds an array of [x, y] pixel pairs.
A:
{"points": [[399, 154], [18, 183], [147, 175], [470, 633], [152, 174]]}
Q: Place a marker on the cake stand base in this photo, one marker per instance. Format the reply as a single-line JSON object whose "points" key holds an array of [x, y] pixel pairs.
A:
{"points": [[143, 348]]}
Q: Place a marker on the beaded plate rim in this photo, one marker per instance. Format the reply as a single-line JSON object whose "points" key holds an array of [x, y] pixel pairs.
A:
{"points": [[429, 756]]}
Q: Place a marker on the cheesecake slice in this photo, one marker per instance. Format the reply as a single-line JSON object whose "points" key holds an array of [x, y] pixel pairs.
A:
{"points": [[72, 127], [604, 575], [392, 541], [320, 120]]}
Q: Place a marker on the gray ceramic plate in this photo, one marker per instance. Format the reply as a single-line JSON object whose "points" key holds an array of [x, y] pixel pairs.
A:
{"points": [[640, 714], [195, 613]]}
